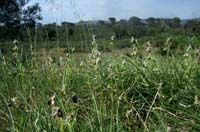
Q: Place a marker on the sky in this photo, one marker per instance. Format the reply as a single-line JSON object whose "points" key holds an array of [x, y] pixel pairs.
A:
{"points": [[76, 10]]}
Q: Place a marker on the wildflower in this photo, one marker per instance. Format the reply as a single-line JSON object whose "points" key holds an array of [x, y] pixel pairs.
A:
{"points": [[81, 64], [67, 55], [169, 129], [121, 97], [112, 37], [69, 118], [98, 60], [51, 101], [136, 41], [156, 70], [60, 60], [15, 47], [197, 51], [75, 98], [50, 59], [15, 41], [14, 99], [132, 39], [168, 40], [63, 92], [56, 111], [148, 43], [196, 100], [124, 62], [110, 67], [129, 113], [93, 39], [189, 48], [148, 49], [4, 60], [145, 64], [111, 43], [134, 52], [73, 49], [186, 55]]}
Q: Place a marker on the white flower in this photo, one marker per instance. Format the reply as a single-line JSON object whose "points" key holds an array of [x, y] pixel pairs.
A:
{"points": [[67, 55], [14, 99], [124, 62], [112, 37], [15, 41], [186, 55], [81, 64], [69, 118], [73, 49], [93, 36], [136, 42], [51, 101], [93, 39], [61, 60], [15, 47], [148, 49], [56, 111], [98, 60], [197, 51], [189, 48], [196, 100], [4, 60], [132, 39], [129, 113], [148, 43]]}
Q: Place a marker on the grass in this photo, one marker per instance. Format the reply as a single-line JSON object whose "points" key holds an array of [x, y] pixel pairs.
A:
{"points": [[119, 91]]}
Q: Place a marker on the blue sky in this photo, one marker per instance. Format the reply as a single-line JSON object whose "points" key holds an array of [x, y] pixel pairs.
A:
{"points": [[76, 10]]}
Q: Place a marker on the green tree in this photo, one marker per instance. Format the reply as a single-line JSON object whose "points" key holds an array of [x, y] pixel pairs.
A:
{"points": [[193, 27], [31, 15], [13, 15], [151, 21], [112, 20], [175, 22], [135, 20]]}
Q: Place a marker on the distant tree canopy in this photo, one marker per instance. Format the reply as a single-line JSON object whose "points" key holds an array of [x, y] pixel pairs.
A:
{"points": [[112, 20], [135, 20], [14, 16]]}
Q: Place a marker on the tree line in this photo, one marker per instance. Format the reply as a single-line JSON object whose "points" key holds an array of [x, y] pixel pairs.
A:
{"points": [[18, 21]]}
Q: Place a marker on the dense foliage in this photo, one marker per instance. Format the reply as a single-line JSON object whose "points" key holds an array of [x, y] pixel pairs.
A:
{"points": [[16, 18], [136, 91]]}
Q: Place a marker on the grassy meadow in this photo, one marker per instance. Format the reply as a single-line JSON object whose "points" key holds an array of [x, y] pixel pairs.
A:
{"points": [[139, 87]]}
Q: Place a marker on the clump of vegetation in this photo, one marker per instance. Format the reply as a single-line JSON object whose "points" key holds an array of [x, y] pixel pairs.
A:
{"points": [[145, 77], [138, 92]]}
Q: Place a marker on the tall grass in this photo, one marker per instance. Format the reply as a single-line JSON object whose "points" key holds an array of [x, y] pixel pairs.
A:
{"points": [[138, 92]]}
